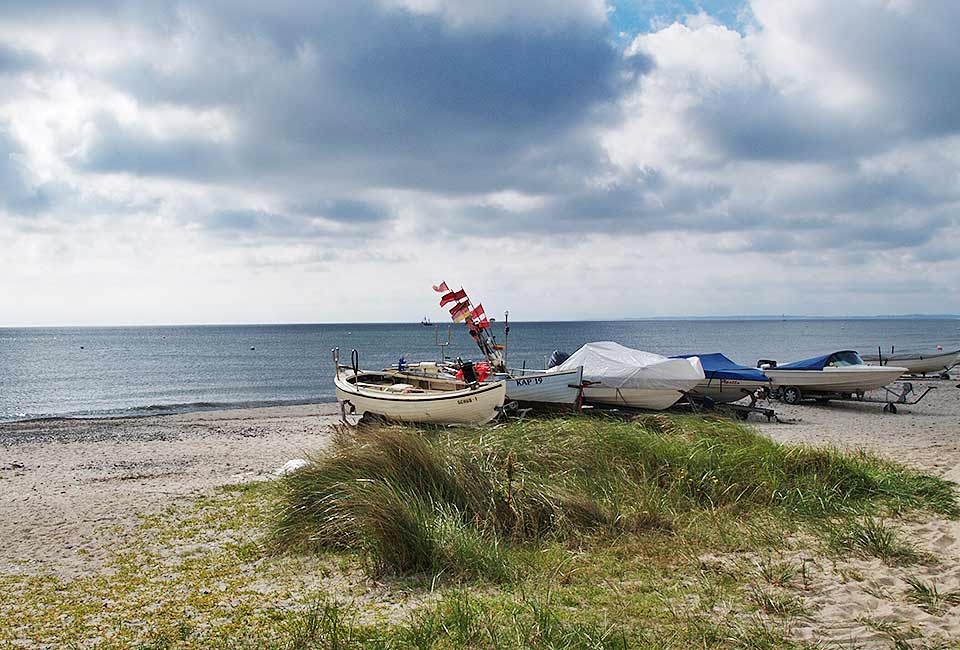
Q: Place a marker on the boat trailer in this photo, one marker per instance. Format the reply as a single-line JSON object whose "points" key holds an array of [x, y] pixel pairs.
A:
{"points": [[699, 404], [900, 393]]}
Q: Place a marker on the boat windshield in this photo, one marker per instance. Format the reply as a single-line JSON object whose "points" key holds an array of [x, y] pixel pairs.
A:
{"points": [[845, 359]]}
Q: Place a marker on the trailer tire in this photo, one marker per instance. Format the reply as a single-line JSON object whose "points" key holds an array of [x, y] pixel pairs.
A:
{"points": [[792, 395]]}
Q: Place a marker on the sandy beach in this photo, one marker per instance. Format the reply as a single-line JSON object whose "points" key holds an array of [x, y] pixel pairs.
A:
{"points": [[66, 484]]}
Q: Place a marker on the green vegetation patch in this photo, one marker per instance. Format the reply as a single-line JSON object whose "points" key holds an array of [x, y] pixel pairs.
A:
{"points": [[456, 501], [566, 533]]}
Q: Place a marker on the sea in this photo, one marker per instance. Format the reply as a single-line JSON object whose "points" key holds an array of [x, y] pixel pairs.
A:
{"points": [[130, 371]]}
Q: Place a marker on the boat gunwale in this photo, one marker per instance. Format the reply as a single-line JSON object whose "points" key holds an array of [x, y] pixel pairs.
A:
{"points": [[420, 397]]}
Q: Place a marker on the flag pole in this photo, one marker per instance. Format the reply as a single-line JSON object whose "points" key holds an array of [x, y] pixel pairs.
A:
{"points": [[506, 336]]}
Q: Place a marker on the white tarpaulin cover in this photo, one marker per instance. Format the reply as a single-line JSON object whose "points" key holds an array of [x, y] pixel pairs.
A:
{"points": [[616, 366]]}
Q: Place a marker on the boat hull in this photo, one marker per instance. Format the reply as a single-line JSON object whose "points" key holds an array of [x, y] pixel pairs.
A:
{"points": [[543, 387], [642, 398], [919, 364], [726, 391], [844, 379], [472, 406]]}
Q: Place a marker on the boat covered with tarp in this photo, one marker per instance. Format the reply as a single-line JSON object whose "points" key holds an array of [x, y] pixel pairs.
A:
{"points": [[617, 375], [725, 380]]}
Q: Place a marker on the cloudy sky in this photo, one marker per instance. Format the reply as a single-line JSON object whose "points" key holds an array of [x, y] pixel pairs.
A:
{"points": [[237, 161]]}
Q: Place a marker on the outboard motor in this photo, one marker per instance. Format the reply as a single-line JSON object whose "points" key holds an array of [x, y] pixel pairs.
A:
{"points": [[469, 373], [557, 358]]}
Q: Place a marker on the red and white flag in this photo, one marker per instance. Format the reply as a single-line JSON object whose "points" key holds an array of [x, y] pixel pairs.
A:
{"points": [[453, 296], [441, 288], [478, 314]]}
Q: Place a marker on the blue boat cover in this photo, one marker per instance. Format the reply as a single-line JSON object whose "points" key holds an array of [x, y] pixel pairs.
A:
{"points": [[717, 366], [816, 363]]}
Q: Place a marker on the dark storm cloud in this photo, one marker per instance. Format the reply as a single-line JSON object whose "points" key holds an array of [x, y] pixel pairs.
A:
{"points": [[386, 98], [343, 210], [909, 56], [133, 150]]}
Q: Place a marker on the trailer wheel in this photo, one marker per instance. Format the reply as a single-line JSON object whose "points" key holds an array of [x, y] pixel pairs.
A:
{"points": [[890, 408], [792, 395]]}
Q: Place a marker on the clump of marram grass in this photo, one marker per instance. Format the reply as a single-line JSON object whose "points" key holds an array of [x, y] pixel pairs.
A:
{"points": [[872, 537], [456, 501], [929, 598]]}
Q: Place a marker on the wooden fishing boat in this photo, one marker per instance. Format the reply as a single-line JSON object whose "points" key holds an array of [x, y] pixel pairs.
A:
{"points": [[533, 388], [409, 398]]}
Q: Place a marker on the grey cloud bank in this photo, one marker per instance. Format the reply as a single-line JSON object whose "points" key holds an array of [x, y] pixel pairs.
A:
{"points": [[819, 145]]}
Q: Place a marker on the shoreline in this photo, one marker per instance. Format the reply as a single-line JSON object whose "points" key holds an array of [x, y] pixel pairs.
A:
{"points": [[163, 410]]}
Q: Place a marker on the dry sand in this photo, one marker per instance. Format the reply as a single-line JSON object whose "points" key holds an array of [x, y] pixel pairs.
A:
{"points": [[63, 482], [846, 599]]}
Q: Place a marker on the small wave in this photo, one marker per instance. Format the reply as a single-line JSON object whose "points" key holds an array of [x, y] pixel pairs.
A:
{"points": [[184, 405]]}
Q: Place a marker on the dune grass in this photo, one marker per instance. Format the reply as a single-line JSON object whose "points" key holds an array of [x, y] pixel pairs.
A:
{"points": [[457, 501], [565, 533]]}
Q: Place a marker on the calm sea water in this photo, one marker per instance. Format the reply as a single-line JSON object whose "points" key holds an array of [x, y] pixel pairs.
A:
{"points": [[139, 370]]}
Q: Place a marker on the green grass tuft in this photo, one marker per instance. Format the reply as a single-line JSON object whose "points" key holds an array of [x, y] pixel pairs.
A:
{"points": [[872, 537], [456, 502], [929, 597]]}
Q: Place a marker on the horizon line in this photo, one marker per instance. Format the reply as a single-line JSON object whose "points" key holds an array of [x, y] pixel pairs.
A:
{"points": [[736, 317]]}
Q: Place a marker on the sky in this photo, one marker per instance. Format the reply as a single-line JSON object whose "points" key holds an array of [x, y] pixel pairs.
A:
{"points": [[239, 161]]}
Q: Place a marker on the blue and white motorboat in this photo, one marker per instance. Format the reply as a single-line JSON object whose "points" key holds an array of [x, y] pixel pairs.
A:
{"points": [[839, 373]]}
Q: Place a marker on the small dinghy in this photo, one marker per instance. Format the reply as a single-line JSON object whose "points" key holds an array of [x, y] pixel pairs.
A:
{"points": [[621, 376], [409, 398]]}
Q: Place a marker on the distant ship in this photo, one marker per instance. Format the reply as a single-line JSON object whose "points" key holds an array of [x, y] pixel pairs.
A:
{"points": [[426, 322]]}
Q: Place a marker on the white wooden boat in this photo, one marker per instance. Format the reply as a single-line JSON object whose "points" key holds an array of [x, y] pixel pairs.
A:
{"points": [[417, 399], [917, 363], [528, 387], [543, 387]]}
